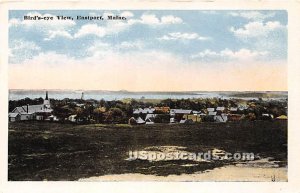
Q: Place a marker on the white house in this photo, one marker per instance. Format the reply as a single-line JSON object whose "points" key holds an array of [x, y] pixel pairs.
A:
{"points": [[31, 112], [139, 120], [72, 118], [144, 111], [233, 109], [210, 109], [173, 112], [220, 109], [12, 117], [221, 118], [212, 113]]}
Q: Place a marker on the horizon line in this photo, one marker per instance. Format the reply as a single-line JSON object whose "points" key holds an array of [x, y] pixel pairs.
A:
{"points": [[124, 90]]}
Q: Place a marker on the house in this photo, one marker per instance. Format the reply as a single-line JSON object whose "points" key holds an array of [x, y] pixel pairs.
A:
{"points": [[194, 118], [221, 118], [282, 117], [242, 107], [210, 109], [136, 121], [234, 117], [144, 111], [210, 113], [139, 120], [29, 112], [80, 105], [12, 117], [132, 121], [34, 112], [172, 120], [233, 109], [267, 116], [220, 109], [149, 121], [72, 118], [196, 112], [180, 111], [150, 118], [162, 109], [53, 118], [39, 116], [186, 121]]}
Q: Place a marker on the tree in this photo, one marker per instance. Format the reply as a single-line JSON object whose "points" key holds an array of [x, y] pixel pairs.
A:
{"points": [[115, 115]]}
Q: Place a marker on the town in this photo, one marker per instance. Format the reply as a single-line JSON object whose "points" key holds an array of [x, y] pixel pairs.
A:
{"points": [[71, 139], [133, 111]]}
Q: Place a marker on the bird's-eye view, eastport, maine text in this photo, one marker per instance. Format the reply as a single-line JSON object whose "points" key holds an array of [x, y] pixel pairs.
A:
{"points": [[148, 95]]}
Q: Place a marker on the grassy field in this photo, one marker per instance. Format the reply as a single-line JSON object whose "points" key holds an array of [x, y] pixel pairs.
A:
{"points": [[54, 151]]}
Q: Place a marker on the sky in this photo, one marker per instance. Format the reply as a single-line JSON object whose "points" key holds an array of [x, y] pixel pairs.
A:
{"points": [[152, 50]]}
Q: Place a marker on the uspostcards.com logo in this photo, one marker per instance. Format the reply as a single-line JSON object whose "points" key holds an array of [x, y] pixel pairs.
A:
{"points": [[200, 156]]}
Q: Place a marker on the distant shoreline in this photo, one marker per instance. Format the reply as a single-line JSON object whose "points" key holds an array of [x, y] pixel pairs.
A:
{"points": [[120, 95]]}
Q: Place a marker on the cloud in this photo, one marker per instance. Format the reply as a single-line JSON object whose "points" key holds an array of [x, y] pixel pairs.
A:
{"points": [[229, 55], [119, 26], [131, 45], [270, 36], [152, 19], [183, 36], [55, 23], [58, 33], [127, 14], [91, 29], [102, 49], [21, 49], [170, 19], [252, 15], [257, 29]]}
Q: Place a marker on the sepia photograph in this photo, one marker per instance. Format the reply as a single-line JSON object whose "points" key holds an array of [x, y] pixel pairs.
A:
{"points": [[148, 95]]}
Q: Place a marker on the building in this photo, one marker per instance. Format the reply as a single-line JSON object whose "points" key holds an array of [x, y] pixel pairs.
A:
{"points": [[211, 113], [174, 112], [186, 121], [210, 109], [282, 117], [194, 118], [162, 109], [242, 107], [220, 109], [32, 112], [178, 114], [233, 109], [234, 117], [143, 111], [267, 116], [136, 121], [150, 116], [221, 118], [139, 120], [72, 118], [12, 117]]}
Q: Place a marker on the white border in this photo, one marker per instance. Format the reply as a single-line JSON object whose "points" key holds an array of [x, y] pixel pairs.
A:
{"points": [[293, 8]]}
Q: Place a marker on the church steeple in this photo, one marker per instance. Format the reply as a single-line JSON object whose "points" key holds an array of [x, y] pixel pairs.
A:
{"points": [[47, 101]]}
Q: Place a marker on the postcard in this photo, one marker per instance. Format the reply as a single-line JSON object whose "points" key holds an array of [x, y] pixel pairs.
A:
{"points": [[153, 94]]}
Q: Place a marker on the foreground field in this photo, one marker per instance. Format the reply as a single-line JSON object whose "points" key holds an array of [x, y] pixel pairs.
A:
{"points": [[54, 151]]}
